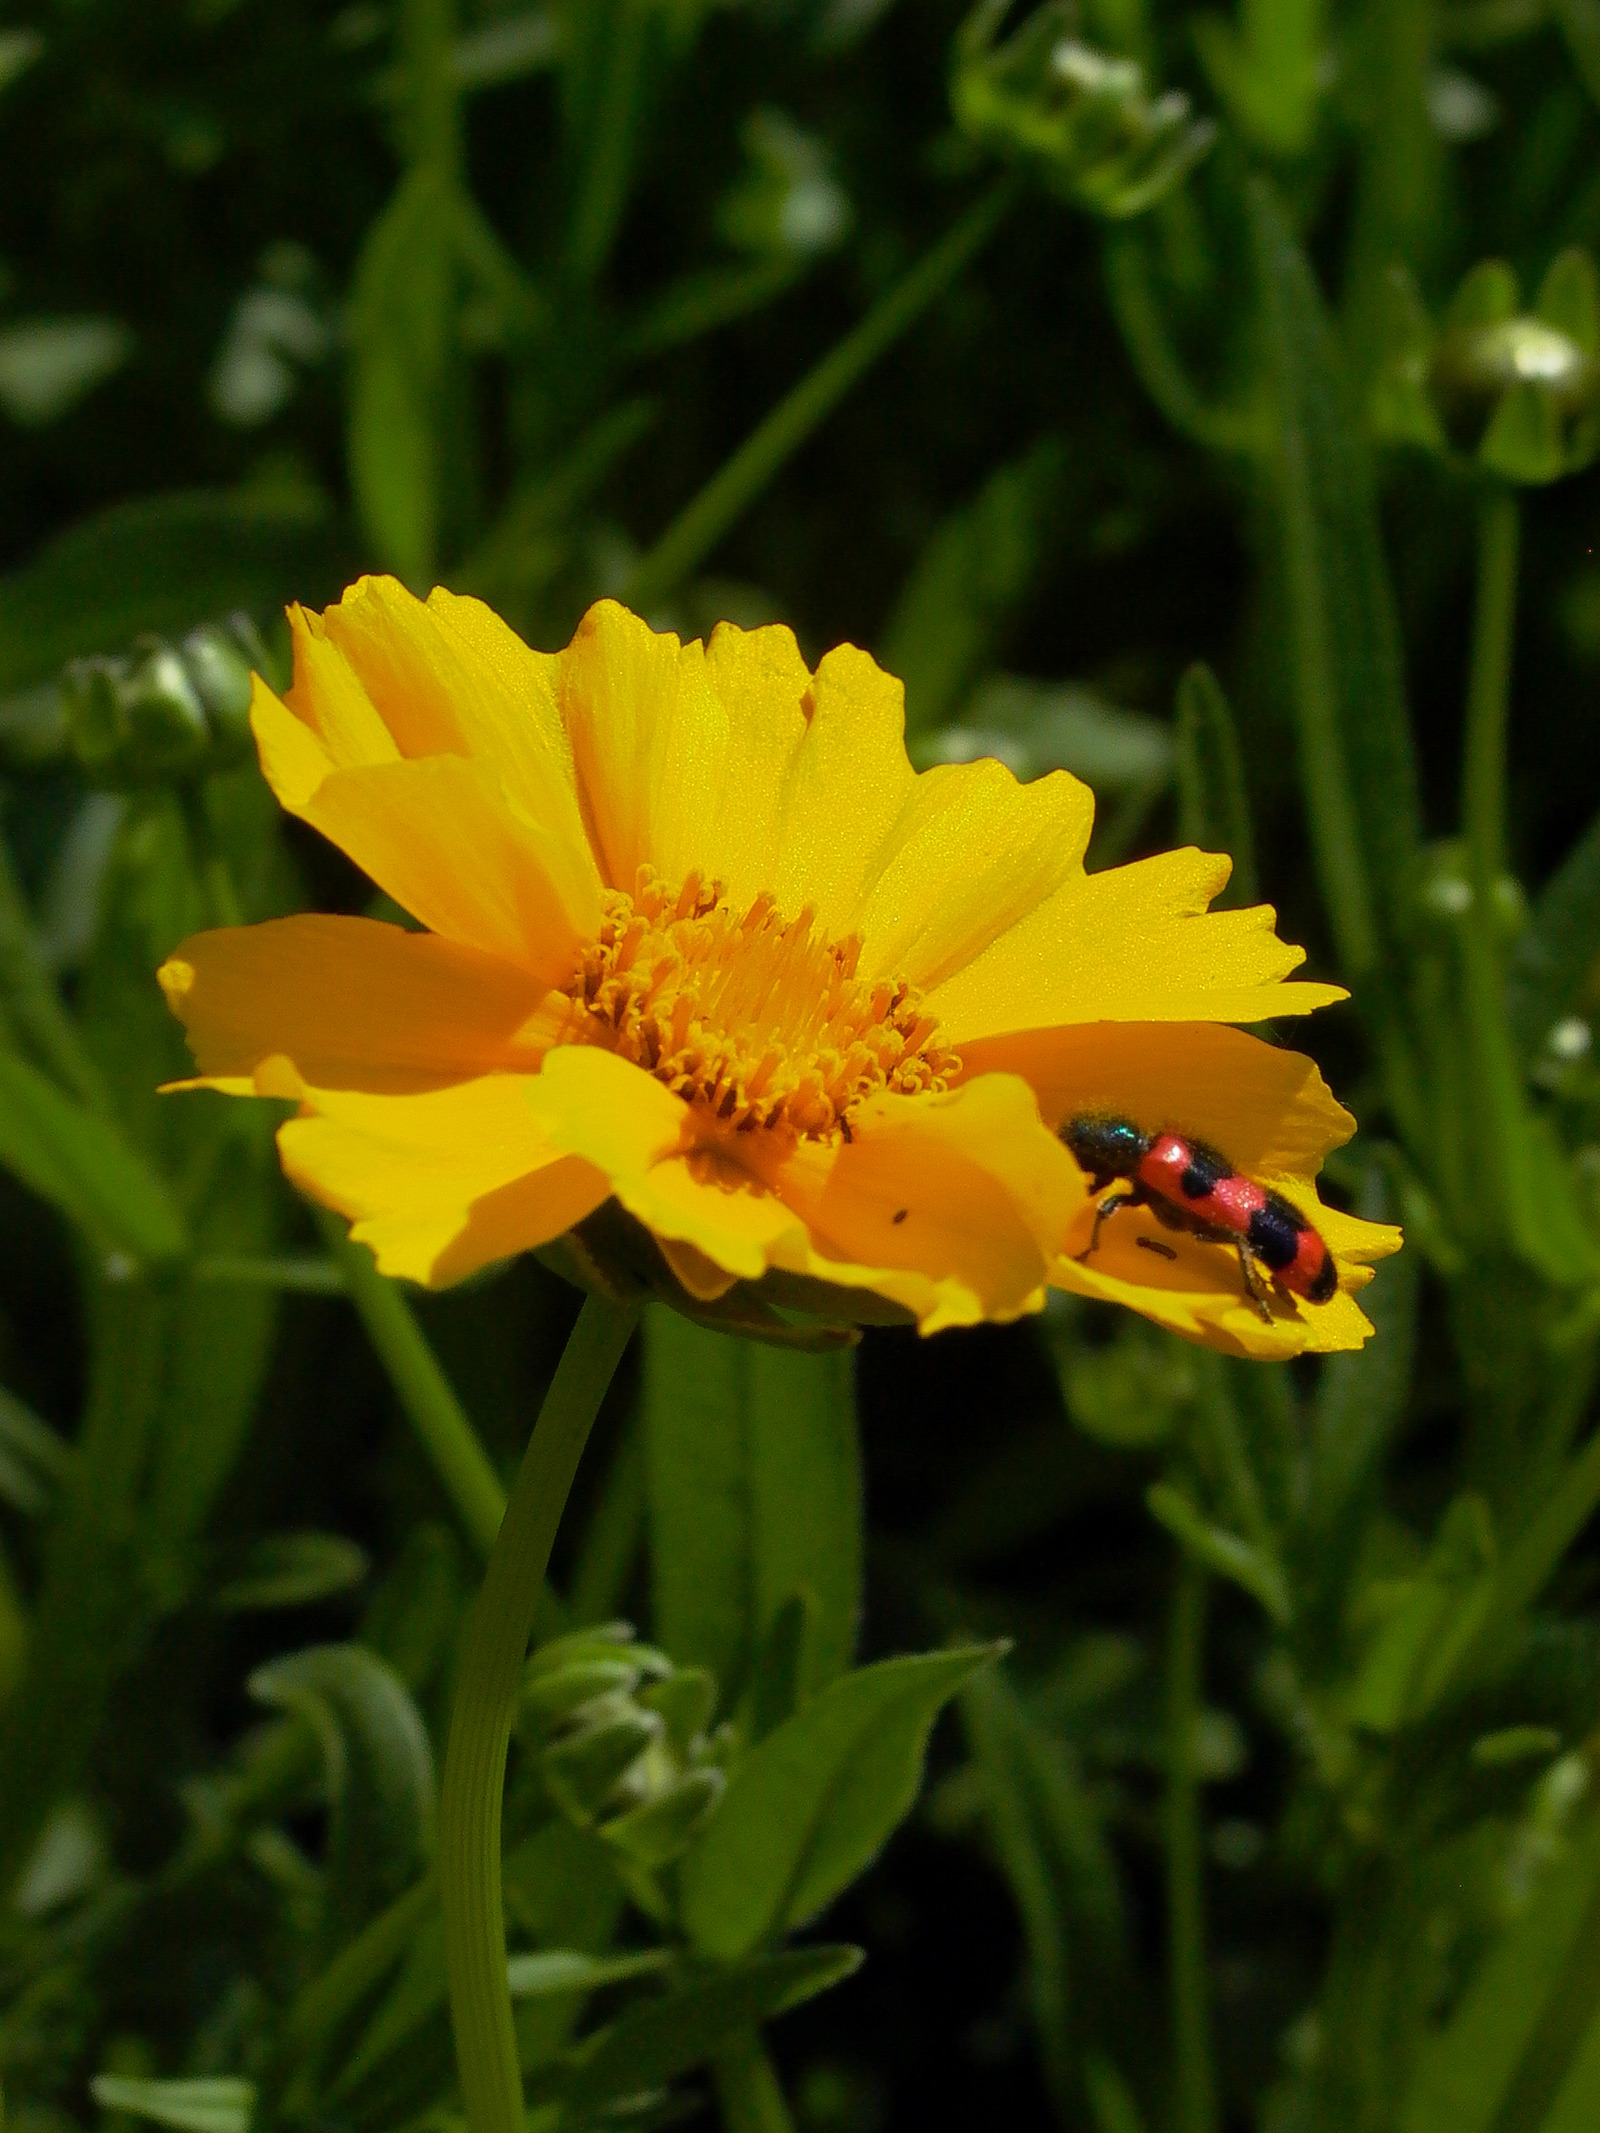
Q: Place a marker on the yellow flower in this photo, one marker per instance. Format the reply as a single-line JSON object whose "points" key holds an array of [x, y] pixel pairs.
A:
{"points": [[700, 942]]}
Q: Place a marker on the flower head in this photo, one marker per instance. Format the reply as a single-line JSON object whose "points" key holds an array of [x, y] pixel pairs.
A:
{"points": [[700, 947]]}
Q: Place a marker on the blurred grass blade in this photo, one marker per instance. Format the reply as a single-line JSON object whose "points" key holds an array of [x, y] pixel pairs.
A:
{"points": [[33, 1459], [1554, 956], [754, 1493], [82, 1164], [423, 1390], [607, 69], [661, 2038], [1048, 1838], [401, 327], [968, 583], [292, 1570], [218, 2105], [1132, 290], [1501, 2060], [1579, 23], [379, 1771], [697, 529], [529, 541], [1216, 1548], [1213, 799], [1356, 754]]}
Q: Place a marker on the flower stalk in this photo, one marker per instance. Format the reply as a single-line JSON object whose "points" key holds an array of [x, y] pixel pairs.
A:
{"points": [[1194, 2083], [485, 1704]]}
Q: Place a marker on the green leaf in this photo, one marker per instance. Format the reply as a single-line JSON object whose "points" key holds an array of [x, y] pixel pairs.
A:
{"points": [[1357, 760], [1213, 800], [1520, 2027], [220, 2105], [378, 1766], [1569, 299], [401, 324], [659, 2039], [754, 1494], [1034, 726], [292, 1570], [1110, 2099], [1268, 71], [160, 564], [81, 1163], [1523, 442], [564, 1970], [808, 1808], [1227, 1553]]}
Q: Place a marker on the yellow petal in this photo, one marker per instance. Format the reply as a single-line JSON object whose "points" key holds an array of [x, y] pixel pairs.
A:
{"points": [[681, 749], [1268, 1110], [971, 853], [450, 678], [1132, 944], [760, 684], [355, 1004], [327, 697], [966, 1192], [438, 1184], [1194, 1298], [440, 836], [843, 790]]}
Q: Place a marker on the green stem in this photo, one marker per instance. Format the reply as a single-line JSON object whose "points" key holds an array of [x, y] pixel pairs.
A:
{"points": [[430, 102], [1137, 311], [31, 995], [210, 861], [748, 2090], [426, 1394], [1489, 698], [1483, 828], [1194, 2092], [697, 529], [487, 1679]]}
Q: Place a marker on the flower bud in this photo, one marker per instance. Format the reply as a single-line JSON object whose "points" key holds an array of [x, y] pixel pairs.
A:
{"points": [[657, 1832], [1080, 118], [163, 713], [1517, 392], [583, 1769]]}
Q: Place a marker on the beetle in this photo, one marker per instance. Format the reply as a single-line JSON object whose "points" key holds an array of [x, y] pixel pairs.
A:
{"points": [[1191, 1186]]}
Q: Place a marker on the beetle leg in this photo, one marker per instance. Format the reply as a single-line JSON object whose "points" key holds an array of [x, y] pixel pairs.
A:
{"points": [[1255, 1281], [1108, 1206]]}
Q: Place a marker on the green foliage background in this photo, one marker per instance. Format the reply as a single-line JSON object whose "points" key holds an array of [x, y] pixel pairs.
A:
{"points": [[1280, 1808]]}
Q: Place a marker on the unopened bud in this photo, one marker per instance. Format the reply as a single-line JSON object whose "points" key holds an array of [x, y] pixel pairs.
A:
{"points": [[1080, 118], [1517, 391], [656, 1833]]}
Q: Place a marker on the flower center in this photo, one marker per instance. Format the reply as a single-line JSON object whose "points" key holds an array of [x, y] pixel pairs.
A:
{"points": [[751, 1015]]}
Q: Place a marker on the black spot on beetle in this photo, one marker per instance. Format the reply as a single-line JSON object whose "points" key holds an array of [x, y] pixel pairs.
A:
{"points": [[900, 1214], [1274, 1234], [1205, 1172]]}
